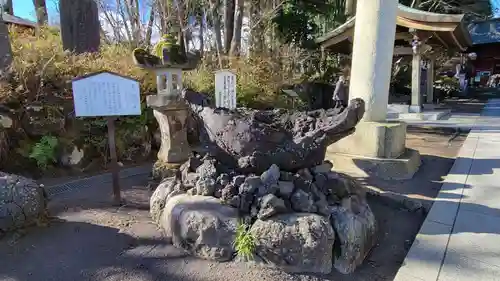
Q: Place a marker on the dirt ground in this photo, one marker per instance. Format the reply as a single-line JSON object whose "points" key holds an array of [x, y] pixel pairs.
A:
{"points": [[438, 149], [90, 240]]}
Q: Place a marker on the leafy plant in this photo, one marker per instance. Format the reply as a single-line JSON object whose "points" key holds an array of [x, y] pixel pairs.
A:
{"points": [[44, 151], [244, 242], [166, 41]]}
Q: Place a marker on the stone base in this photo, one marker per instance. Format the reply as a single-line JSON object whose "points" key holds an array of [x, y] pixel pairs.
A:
{"points": [[373, 139], [311, 221], [433, 115], [415, 109], [401, 168]]}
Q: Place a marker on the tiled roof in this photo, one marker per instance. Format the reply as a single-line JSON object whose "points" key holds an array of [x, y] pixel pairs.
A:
{"points": [[485, 32], [17, 20]]}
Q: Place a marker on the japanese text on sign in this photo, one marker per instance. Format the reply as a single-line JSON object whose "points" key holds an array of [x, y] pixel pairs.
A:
{"points": [[106, 94], [225, 89]]}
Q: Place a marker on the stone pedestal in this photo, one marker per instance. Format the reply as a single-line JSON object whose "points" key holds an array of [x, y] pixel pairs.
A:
{"points": [[374, 139], [171, 112], [375, 150]]}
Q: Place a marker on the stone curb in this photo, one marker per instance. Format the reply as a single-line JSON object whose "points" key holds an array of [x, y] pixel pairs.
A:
{"points": [[426, 255], [134, 173]]}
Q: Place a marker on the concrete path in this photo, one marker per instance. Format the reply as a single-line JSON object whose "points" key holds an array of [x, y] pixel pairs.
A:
{"points": [[460, 238]]}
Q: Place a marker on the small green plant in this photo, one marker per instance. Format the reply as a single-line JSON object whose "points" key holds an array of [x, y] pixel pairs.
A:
{"points": [[44, 151], [244, 242], [166, 41]]}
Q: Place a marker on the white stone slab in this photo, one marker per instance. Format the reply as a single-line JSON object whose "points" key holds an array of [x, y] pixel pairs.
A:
{"points": [[476, 236], [404, 277], [427, 252], [461, 268], [482, 199], [444, 211]]}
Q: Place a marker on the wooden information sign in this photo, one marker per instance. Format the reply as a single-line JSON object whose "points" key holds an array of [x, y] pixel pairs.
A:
{"points": [[107, 94]]}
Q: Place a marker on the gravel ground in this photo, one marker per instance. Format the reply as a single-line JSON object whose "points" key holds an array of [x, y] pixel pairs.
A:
{"points": [[89, 240]]}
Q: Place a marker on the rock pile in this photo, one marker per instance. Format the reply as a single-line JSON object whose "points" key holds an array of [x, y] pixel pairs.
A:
{"points": [[22, 202], [307, 221]]}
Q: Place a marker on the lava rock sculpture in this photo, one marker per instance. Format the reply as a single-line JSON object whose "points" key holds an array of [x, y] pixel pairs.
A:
{"points": [[265, 171], [252, 140]]}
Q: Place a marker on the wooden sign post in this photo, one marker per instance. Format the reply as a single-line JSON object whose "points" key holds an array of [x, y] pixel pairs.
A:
{"points": [[107, 94]]}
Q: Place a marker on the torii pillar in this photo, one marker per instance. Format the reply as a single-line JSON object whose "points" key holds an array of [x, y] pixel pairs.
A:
{"points": [[377, 148]]}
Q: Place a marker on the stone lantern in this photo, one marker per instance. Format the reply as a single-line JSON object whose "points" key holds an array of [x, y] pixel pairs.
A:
{"points": [[169, 108]]}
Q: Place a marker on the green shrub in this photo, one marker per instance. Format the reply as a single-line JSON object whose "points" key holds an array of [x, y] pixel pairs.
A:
{"points": [[44, 151]]}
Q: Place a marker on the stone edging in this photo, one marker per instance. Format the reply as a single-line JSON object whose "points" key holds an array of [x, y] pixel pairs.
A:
{"points": [[426, 255], [77, 184]]}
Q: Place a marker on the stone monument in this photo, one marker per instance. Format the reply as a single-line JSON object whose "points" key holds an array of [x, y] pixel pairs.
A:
{"points": [[169, 108], [261, 191]]}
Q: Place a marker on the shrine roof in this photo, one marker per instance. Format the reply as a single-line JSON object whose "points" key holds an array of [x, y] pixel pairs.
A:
{"points": [[10, 19], [485, 32], [439, 29]]}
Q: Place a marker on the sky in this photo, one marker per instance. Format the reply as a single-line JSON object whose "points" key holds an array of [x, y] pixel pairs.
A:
{"points": [[496, 7], [25, 8]]}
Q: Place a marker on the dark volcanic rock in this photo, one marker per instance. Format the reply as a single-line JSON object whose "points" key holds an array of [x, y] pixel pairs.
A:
{"points": [[303, 202], [295, 242], [207, 169], [238, 180], [190, 179], [250, 185], [271, 176], [286, 176], [271, 205], [223, 179], [228, 192], [253, 140], [323, 168], [167, 188], [356, 229], [205, 187], [285, 189]]}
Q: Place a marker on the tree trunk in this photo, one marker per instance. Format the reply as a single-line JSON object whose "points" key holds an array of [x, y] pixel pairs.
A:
{"points": [[214, 11], [238, 22], [257, 28], [149, 30], [8, 8], [229, 11], [181, 19], [202, 34], [5, 48], [132, 8], [42, 17], [80, 25]]}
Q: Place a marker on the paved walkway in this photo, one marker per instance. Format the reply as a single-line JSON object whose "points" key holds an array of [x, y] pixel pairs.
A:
{"points": [[460, 238]]}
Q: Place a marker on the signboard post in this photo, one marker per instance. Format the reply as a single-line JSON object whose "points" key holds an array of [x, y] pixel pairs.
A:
{"points": [[107, 94], [225, 89]]}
